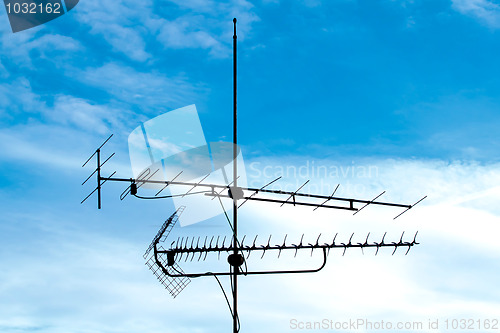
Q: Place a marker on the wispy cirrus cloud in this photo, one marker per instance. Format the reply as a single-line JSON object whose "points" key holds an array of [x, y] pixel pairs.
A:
{"points": [[485, 11], [17, 101], [54, 131], [120, 24], [180, 33], [50, 47], [207, 26], [192, 25], [70, 111], [147, 89]]}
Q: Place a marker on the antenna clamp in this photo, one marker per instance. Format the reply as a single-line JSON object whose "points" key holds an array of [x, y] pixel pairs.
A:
{"points": [[236, 193], [235, 259]]}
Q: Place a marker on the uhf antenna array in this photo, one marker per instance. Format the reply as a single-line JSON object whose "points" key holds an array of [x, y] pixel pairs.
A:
{"points": [[163, 259], [160, 266]]}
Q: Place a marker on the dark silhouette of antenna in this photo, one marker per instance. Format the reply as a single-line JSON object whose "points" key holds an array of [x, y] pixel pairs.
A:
{"points": [[163, 267], [163, 259]]}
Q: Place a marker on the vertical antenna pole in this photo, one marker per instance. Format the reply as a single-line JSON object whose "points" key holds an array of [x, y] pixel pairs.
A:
{"points": [[98, 178], [235, 180]]}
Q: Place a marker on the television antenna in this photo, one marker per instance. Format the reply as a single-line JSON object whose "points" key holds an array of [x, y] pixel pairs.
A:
{"points": [[164, 261]]}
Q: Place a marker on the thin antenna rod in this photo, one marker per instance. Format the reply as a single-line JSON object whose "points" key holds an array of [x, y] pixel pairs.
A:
{"points": [[84, 164], [235, 182], [99, 177]]}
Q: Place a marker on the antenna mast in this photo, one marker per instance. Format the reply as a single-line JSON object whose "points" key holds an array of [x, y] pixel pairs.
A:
{"points": [[163, 262], [234, 262]]}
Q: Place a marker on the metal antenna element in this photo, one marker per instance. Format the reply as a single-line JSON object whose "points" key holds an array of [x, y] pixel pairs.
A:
{"points": [[257, 191], [293, 194], [236, 257], [329, 198], [182, 248], [373, 200], [162, 266], [410, 207], [164, 187], [162, 259], [165, 230], [100, 180]]}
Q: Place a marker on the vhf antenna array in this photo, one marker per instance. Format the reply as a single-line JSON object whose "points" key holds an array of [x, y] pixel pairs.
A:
{"points": [[163, 260]]}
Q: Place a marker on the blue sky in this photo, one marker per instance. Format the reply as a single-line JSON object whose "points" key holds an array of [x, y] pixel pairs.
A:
{"points": [[408, 87]]}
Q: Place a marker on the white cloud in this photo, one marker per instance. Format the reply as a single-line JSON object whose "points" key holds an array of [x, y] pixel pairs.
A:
{"points": [[145, 89], [460, 125], [16, 147], [485, 11], [120, 23], [127, 25], [19, 102], [458, 228], [52, 47], [55, 289], [17, 98], [127, 40], [37, 147], [79, 113], [99, 282], [208, 26], [57, 134], [180, 34], [58, 131], [167, 148]]}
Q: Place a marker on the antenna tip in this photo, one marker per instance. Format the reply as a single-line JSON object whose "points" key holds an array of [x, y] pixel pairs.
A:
{"points": [[234, 20]]}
